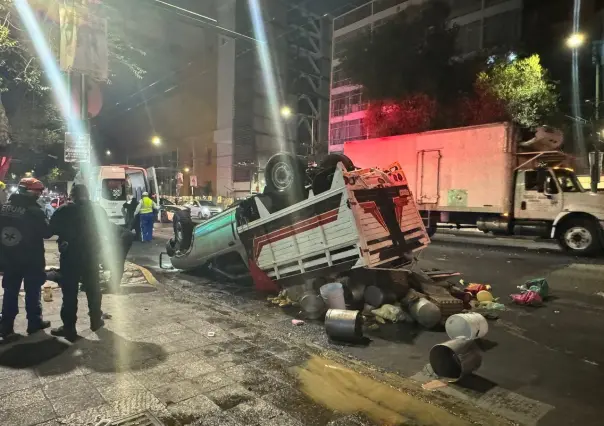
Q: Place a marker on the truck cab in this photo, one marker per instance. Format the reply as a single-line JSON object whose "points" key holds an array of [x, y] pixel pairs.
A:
{"points": [[553, 203]]}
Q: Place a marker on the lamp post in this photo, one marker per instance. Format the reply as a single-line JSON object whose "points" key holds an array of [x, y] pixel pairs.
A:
{"points": [[286, 112]]}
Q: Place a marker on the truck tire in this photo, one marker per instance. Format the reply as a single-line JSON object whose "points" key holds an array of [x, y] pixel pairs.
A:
{"points": [[183, 230], [580, 237], [285, 178], [332, 160]]}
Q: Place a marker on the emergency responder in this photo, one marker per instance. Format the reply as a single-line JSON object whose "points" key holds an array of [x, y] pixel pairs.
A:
{"points": [[82, 228], [146, 210], [23, 228], [3, 194]]}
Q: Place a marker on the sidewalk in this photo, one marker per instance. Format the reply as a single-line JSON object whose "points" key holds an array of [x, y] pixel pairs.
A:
{"points": [[185, 360]]}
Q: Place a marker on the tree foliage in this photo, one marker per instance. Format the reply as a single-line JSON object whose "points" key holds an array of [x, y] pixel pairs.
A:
{"points": [[21, 70], [524, 88], [412, 114]]}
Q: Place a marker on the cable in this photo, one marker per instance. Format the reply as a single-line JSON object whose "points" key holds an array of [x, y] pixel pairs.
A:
{"points": [[146, 101]]}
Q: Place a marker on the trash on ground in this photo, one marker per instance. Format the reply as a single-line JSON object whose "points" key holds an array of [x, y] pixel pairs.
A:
{"points": [[528, 298], [344, 325], [455, 359], [425, 312], [433, 385], [211, 334], [470, 326], [484, 296], [600, 293], [538, 285], [297, 322], [491, 306], [333, 295], [475, 288], [47, 293], [312, 306], [390, 313]]}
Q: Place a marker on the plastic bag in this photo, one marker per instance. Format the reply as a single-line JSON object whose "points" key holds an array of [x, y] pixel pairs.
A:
{"points": [[389, 312], [529, 298], [538, 285]]}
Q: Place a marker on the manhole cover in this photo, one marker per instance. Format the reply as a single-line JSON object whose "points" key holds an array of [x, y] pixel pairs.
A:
{"points": [[142, 419]]}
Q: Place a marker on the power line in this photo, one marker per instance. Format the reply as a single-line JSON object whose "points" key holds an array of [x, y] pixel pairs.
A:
{"points": [[203, 72]]}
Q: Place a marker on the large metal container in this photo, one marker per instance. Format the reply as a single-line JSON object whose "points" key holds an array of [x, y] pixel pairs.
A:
{"points": [[313, 306], [455, 359], [425, 312], [344, 325]]}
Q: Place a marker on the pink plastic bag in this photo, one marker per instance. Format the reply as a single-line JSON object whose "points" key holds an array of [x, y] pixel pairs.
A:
{"points": [[530, 298]]}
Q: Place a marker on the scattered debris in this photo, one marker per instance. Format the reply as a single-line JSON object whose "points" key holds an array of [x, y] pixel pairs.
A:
{"points": [[211, 334], [106, 316], [297, 322], [455, 359], [47, 293], [469, 326], [433, 385], [538, 285], [484, 296], [528, 298], [344, 325], [390, 313], [333, 295], [280, 300]]}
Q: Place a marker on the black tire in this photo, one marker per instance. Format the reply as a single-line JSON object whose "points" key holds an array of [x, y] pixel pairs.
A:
{"points": [[580, 236], [183, 230], [285, 178], [332, 160]]}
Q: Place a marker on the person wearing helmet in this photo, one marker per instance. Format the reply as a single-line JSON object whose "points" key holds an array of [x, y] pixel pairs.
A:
{"points": [[23, 228], [146, 210], [84, 230], [3, 194]]}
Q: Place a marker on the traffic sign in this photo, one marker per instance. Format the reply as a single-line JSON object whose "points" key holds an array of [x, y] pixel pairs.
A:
{"points": [[77, 147]]}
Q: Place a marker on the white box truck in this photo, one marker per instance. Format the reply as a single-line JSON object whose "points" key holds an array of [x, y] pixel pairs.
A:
{"points": [[480, 176]]}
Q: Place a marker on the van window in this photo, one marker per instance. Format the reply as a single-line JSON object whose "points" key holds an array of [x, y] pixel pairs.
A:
{"points": [[113, 189]]}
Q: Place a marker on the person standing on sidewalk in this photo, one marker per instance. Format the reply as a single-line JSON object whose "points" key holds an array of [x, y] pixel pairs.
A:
{"points": [[82, 228], [146, 210], [23, 228]]}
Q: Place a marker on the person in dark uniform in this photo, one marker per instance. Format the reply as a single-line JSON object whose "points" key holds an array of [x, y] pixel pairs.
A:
{"points": [[82, 228], [23, 228]]}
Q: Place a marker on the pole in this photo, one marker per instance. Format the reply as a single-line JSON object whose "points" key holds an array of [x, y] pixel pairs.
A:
{"points": [[595, 174], [312, 136]]}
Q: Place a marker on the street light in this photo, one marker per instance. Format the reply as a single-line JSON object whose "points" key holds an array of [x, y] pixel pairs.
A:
{"points": [[286, 112], [156, 140], [575, 40], [187, 170], [108, 153]]}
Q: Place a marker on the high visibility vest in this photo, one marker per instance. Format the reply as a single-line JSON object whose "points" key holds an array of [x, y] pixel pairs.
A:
{"points": [[146, 205]]}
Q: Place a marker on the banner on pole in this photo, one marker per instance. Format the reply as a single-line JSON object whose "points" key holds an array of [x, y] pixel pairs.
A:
{"points": [[77, 148], [193, 180], [83, 45]]}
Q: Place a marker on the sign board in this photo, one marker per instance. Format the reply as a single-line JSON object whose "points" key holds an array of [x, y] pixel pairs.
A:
{"points": [[193, 180], [77, 147]]}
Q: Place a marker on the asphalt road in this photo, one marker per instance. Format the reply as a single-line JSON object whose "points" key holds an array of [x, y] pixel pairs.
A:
{"points": [[540, 365]]}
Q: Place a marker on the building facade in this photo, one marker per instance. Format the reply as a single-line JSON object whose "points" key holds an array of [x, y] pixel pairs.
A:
{"points": [[482, 24]]}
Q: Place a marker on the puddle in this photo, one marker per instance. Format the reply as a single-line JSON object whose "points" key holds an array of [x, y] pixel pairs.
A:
{"points": [[344, 390]]}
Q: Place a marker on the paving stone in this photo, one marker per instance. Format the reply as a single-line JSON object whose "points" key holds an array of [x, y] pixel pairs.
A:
{"points": [[300, 407], [14, 382], [217, 419], [277, 369], [77, 402], [59, 389], [294, 357], [256, 412], [195, 369], [253, 380], [106, 379], [230, 396], [21, 398], [194, 409], [119, 390], [167, 328], [212, 381], [154, 379], [175, 392], [28, 415]]}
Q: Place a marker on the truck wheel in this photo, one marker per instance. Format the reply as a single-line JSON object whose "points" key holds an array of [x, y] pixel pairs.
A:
{"points": [[580, 237], [285, 178], [332, 160], [183, 230]]}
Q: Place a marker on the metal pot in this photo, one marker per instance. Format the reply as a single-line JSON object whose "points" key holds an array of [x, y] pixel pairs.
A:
{"points": [[425, 312], [344, 325], [376, 296], [313, 306]]}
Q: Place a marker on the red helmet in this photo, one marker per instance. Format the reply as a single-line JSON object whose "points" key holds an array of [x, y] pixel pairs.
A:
{"points": [[31, 185]]}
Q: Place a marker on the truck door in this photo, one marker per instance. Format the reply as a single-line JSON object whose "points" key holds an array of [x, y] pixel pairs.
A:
{"points": [[428, 173], [537, 195]]}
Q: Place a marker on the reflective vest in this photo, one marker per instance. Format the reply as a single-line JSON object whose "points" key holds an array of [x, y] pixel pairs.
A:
{"points": [[146, 205]]}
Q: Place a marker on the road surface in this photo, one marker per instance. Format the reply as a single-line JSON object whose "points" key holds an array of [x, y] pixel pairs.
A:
{"points": [[540, 366]]}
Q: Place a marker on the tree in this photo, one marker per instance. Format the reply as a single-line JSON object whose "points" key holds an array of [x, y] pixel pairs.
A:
{"points": [[412, 53], [523, 86], [20, 69], [414, 113]]}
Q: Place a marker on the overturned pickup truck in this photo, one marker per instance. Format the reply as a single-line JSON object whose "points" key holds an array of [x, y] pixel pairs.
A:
{"points": [[309, 222]]}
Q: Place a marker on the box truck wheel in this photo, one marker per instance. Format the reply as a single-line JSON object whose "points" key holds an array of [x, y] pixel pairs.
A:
{"points": [[183, 230], [580, 236]]}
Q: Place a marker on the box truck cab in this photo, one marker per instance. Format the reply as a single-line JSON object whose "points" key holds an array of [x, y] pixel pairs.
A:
{"points": [[112, 186], [487, 177]]}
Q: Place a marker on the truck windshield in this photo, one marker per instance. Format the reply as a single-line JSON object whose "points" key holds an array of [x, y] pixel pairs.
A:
{"points": [[114, 189], [567, 180]]}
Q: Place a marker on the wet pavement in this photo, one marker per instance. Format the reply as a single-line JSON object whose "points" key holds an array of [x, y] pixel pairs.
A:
{"points": [[540, 365], [184, 357]]}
